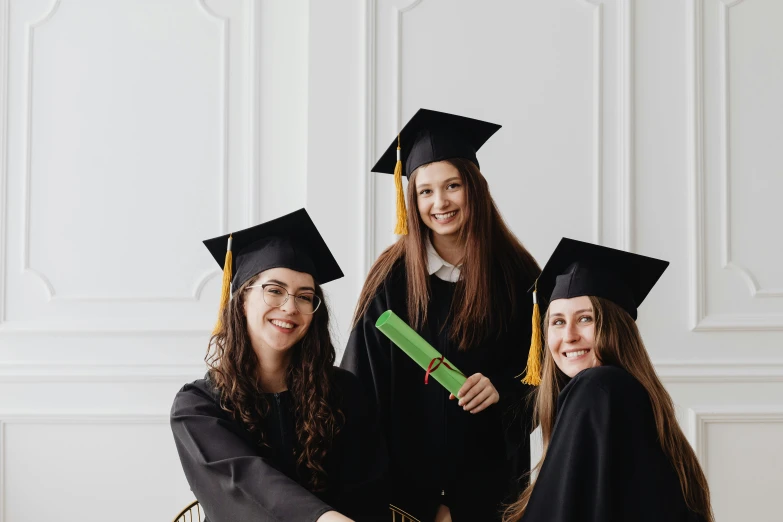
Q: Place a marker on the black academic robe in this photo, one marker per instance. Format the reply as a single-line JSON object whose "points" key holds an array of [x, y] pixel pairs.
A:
{"points": [[604, 462], [237, 479], [439, 453]]}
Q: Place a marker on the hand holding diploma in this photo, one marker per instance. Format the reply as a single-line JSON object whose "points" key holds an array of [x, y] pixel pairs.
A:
{"points": [[478, 394]]}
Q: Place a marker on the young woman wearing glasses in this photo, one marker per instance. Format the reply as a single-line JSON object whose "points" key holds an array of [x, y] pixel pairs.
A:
{"points": [[275, 432]]}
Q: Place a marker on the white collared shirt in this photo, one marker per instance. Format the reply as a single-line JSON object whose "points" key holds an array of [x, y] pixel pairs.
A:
{"points": [[440, 267]]}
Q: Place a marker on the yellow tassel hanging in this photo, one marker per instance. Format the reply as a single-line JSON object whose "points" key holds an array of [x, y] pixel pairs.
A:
{"points": [[533, 376], [401, 229], [225, 292]]}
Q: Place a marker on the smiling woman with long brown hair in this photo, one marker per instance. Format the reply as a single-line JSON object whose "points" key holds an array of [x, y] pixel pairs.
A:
{"points": [[275, 432], [612, 447], [458, 276]]}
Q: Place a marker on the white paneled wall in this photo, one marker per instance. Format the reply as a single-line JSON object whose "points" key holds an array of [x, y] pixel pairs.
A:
{"points": [[131, 130]]}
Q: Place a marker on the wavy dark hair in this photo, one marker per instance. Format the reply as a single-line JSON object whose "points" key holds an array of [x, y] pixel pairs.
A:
{"points": [[496, 268], [233, 368], [618, 343]]}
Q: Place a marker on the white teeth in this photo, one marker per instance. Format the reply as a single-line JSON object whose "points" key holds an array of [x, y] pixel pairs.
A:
{"points": [[446, 215], [575, 354], [282, 324]]}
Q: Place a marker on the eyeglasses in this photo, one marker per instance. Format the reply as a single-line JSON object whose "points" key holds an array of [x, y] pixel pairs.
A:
{"points": [[275, 295]]}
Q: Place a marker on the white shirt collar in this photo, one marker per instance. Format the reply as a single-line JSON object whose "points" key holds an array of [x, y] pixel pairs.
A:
{"points": [[438, 266]]}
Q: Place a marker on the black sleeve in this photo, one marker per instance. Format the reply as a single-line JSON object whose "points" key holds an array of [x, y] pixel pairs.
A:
{"points": [[224, 470], [575, 482], [363, 488], [515, 406], [368, 356]]}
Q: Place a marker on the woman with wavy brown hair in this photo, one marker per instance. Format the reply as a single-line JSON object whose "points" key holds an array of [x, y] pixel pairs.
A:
{"points": [[275, 432], [458, 276], [613, 450]]}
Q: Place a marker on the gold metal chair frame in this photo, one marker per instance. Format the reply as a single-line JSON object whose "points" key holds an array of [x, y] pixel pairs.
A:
{"points": [[186, 515], [182, 516], [404, 516]]}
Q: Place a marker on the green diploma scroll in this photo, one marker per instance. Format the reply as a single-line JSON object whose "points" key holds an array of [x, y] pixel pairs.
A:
{"points": [[420, 351]]}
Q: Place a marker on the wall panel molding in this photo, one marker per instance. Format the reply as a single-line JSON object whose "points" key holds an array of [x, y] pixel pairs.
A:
{"points": [[734, 372], [699, 319], [202, 279], [33, 372], [104, 327], [697, 229], [5, 37], [253, 66], [60, 418], [725, 165], [79, 417], [700, 417], [82, 312], [729, 372], [598, 118], [367, 147]]}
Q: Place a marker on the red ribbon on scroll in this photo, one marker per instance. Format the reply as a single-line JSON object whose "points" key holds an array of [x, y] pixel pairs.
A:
{"points": [[434, 366]]}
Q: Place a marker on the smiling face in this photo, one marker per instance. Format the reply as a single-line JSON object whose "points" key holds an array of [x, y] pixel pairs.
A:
{"points": [[571, 334], [441, 198], [277, 328]]}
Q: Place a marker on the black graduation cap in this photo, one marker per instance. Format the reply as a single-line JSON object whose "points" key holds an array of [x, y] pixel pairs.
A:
{"points": [[291, 241], [577, 268], [428, 137], [435, 136]]}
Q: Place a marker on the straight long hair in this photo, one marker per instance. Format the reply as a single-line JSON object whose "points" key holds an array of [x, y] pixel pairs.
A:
{"points": [[618, 343], [495, 271]]}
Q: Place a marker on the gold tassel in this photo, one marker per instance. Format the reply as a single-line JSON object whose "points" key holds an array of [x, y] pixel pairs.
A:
{"points": [[225, 292], [401, 229], [533, 369]]}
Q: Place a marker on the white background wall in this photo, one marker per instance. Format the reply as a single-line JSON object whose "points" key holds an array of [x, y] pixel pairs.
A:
{"points": [[132, 130]]}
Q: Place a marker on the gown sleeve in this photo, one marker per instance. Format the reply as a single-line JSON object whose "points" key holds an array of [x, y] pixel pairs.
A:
{"points": [[230, 480], [515, 405], [362, 488], [575, 482], [368, 356], [507, 375]]}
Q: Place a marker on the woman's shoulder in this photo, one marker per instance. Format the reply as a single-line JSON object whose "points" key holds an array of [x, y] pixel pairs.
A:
{"points": [[612, 381], [606, 392], [393, 274], [392, 290], [199, 396], [513, 253]]}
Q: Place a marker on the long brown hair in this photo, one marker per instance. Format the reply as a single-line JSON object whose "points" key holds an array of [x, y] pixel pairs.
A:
{"points": [[618, 343], [233, 368], [496, 267]]}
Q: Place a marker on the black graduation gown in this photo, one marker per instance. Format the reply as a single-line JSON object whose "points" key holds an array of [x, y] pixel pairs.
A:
{"points": [[236, 479], [604, 462], [439, 453]]}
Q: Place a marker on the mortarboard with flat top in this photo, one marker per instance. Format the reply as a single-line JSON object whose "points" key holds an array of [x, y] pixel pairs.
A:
{"points": [[291, 241]]}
